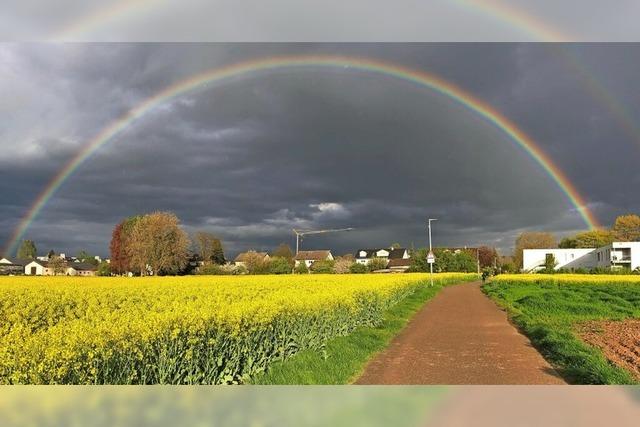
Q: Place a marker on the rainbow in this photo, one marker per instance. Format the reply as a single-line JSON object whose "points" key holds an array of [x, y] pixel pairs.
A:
{"points": [[96, 18], [502, 12], [518, 19], [216, 75]]}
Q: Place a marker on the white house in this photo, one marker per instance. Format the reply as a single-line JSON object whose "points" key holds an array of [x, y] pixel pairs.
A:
{"points": [[364, 256], [309, 257], [615, 255], [81, 269], [37, 268], [241, 259]]}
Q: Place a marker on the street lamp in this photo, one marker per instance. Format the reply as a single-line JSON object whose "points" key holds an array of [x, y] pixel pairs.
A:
{"points": [[430, 257]]}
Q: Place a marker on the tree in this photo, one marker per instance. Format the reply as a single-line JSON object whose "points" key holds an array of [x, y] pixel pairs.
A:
{"points": [[210, 248], [593, 239], [419, 260], [549, 263], [342, 265], [377, 264], [158, 241], [57, 264], [532, 240], [280, 265], [83, 256], [627, 228], [283, 251], [118, 248], [255, 263], [568, 243], [301, 268], [51, 254], [104, 269], [357, 268], [27, 250], [488, 256], [324, 266], [395, 246], [453, 261]]}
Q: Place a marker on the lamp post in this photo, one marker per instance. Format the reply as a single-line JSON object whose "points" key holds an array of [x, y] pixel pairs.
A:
{"points": [[430, 257]]}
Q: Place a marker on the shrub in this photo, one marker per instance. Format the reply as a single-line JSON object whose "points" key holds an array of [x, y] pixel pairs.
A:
{"points": [[322, 267], [377, 264], [301, 268], [342, 265], [280, 265], [357, 268]]}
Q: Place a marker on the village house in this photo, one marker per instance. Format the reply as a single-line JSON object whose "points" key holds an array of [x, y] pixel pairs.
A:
{"points": [[38, 268], [310, 257], [12, 266], [43, 268], [81, 269], [241, 259], [364, 256]]}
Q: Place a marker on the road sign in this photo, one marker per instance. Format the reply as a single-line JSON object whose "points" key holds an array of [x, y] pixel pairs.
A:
{"points": [[431, 258]]}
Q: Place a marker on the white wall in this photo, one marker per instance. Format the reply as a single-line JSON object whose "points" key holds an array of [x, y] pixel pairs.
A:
{"points": [[40, 270], [565, 258], [584, 258], [616, 248]]}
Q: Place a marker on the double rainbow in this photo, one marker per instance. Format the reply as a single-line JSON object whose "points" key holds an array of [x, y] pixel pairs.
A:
{"points": [[420, 78]]}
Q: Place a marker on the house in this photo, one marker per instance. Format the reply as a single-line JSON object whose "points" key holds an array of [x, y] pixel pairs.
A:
{"points": [[38, 268], [616, 255], [399, 265], [309, 257], [12, 266], [241, 259], [364, 256], [81, 269]]}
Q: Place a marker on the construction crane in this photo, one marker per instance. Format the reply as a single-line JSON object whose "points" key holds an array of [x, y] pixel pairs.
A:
{"points": [[301, 233]]}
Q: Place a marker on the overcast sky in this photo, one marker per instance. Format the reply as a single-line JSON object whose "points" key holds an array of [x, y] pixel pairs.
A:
{"points": [[312, 20], [253, 157]]}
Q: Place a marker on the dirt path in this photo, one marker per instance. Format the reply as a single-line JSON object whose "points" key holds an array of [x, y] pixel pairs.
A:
{"points": [[460, 337]]}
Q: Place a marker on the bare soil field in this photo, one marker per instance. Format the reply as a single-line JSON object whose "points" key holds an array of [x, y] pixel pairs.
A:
{"points": [[618, 340]]}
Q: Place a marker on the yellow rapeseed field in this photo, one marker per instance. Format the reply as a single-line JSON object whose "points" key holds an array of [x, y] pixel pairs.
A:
{"points": [[180, 330]]}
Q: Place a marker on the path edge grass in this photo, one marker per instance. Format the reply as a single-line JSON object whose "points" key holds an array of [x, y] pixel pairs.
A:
{"points": [[575, 361], [343, 359]]}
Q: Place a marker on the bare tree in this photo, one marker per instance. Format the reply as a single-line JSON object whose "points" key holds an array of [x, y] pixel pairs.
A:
{"points": [[532, 240], [209, 247], [57, 264], [157, 241]]}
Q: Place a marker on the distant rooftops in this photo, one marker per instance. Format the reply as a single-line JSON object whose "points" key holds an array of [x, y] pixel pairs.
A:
{"points": [[318, 255]]}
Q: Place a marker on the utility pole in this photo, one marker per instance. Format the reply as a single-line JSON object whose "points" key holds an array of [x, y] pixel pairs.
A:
{"points": [[430, 257]]}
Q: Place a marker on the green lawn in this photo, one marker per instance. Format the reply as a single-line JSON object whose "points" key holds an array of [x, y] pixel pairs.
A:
{"points": [[343, 358], [548, 312]]}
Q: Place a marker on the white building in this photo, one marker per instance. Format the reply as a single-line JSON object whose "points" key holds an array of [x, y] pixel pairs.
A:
{"points": [[38, 268], [616, 255], [309, 257], [364, 256]]}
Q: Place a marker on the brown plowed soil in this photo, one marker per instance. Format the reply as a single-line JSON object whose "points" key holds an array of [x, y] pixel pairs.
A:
{"points": [[618, 340], [460, 337]]}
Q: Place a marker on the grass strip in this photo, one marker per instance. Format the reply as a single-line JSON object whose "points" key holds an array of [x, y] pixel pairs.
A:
{"points": [[343, 359], [549, 313]]}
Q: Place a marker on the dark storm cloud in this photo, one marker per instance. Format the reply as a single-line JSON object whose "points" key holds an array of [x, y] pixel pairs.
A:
{"points": [[252, 157]]}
